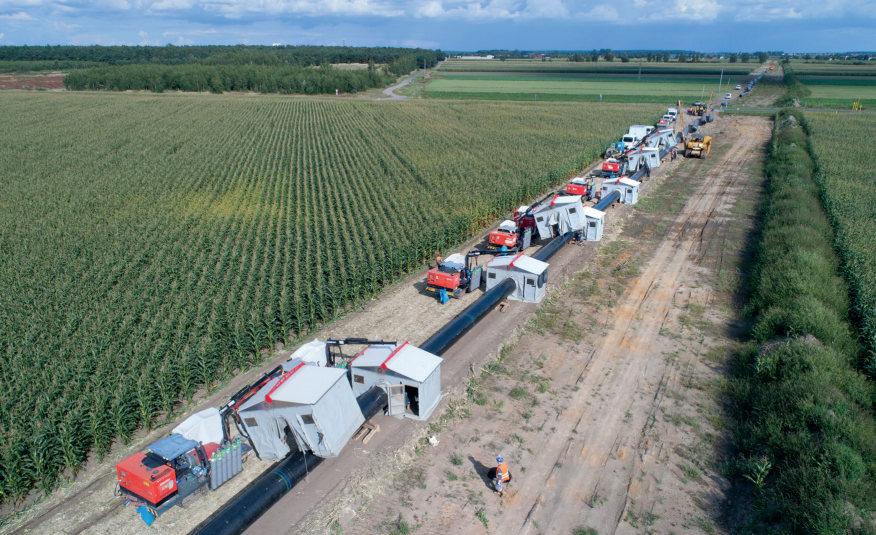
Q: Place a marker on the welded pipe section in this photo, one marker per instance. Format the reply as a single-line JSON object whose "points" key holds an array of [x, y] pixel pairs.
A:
{"points": [[266, 490], [444, 338], [553, 246], [639, 174], [610, 199]]}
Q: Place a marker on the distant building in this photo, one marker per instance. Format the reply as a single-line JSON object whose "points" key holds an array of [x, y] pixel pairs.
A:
{"points": [[488, 56]]}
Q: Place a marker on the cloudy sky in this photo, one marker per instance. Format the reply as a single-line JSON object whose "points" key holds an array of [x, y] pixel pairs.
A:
{"points": [[707, 25]]}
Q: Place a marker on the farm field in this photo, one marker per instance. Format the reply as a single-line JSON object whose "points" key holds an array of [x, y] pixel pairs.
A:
{"points": [[848, 179], [837, 85], [576, 82], [839, 93], [833, 68], [154, 244], [533, 65], [586, 87]]}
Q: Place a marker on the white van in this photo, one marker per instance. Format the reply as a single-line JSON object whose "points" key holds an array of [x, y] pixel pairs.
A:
{"points": [[672, 111], [635, 134]]}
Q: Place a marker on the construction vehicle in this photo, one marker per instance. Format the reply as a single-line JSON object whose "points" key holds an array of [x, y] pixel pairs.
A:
{"points": [[454, 276], [697, 108], [503, 239], [579, 186], [698, 146], [166, 473]]}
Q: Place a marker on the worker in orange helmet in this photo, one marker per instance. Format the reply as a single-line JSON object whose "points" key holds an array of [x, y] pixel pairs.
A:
{"points": [[502, 475]]}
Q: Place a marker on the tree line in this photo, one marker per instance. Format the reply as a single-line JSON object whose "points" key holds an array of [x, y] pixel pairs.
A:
{"points": [[264, 69], [221, 78], [222, 54]]}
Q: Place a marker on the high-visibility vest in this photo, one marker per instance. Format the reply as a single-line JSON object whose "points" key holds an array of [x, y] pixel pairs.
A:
{"points": [[502, 471]]}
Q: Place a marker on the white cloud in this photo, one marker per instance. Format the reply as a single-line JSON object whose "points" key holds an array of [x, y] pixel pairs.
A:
{"points": [[239, 8], [430, 9], [18, 16], [493, 9], [547, 9], [171, 5], [600, 13], [703, 10]]}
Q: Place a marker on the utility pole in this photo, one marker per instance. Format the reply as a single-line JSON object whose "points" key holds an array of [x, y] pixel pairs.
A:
{"points": [[721, 80]]}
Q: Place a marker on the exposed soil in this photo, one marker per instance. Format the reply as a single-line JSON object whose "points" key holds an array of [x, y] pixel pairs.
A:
{"points": [[52, 80]]}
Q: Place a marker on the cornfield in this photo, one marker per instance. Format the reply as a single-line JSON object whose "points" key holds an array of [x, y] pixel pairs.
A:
{"points": [[848, 180], [153, 245]]}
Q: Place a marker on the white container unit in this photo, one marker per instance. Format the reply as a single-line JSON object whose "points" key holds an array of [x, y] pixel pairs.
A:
{"points": [[529, 275], [628, 188], [308, 407], [595, 220], [410, 376]]}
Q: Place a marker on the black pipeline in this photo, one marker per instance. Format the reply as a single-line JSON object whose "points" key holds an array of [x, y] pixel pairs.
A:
{"points": [[257, 497]]}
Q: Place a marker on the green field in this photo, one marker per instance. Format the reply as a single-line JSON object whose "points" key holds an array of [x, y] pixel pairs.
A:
{"points": [[552, 84], [834, 68], [155, 243], [849, 181], [837, 85], [561, 65], [804, 427]]}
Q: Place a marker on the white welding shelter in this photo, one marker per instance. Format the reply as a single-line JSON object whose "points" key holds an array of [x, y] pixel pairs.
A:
{"points": [[311, 408], [410, 376], [529, 274], [561, 215], [649, 156], [663, 138], [628, 188], [595, 222]]}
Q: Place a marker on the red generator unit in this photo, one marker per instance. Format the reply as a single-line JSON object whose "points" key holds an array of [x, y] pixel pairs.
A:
{"points": [[611, 166], [578, 186], [162, 476], [504, 238], [453, 276]]}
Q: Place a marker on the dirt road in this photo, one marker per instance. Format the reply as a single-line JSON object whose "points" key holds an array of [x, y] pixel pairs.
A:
{"points": [[609, 418]]}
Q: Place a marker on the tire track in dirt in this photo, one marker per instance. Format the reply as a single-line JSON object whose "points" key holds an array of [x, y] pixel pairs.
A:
{"points": [[600, 465]]}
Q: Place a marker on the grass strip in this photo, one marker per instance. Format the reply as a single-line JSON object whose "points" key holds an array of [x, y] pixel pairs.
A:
{"points": [[804, 429]]}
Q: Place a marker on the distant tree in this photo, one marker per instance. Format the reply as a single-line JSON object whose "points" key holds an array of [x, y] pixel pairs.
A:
{"points": [[625, 59], [762, 57], [744, 57], [608, 55], [734, 58]]}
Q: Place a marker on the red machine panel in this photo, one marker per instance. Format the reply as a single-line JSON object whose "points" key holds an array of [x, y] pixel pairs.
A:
{"points": [[146, 477]]}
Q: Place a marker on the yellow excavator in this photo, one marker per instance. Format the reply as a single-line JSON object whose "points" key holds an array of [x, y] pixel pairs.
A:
{"points": [[698, 146]]}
